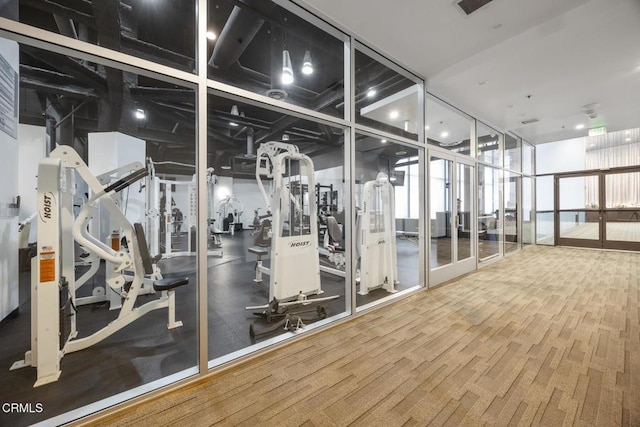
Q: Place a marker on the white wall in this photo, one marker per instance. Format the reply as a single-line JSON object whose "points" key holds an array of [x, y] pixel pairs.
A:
{"points": [[247, 191], [560, 156], [109, 151], [31, 149], [9, 190], [181, 197]]}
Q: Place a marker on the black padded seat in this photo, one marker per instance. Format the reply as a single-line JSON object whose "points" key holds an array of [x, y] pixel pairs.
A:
{"points": [[169, 283], [258, 251]]}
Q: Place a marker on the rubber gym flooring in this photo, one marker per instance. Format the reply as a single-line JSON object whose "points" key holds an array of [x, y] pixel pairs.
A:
{"points": [[146, 350]]}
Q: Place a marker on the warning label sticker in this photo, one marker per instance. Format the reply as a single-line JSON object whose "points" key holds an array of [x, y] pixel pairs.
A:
{"points": [[47, 266]]}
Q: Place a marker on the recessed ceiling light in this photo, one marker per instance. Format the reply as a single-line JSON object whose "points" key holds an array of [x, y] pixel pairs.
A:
{"points": [[426, 127], [234, 124], [401, 153], [394, 114], [211, 35], [225, 167], [444, 134], [579, 126], [384, 141], [371, 93], [628, 139]]}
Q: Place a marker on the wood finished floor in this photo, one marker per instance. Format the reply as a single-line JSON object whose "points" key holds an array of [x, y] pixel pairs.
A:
{"points": [[549, 336]]}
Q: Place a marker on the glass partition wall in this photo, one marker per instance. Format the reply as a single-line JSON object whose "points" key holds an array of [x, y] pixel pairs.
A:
{"points": [[388, 179], [388, 195], [453, 231], [277, 225], [491, 221], [105, 272], [222, 166]]}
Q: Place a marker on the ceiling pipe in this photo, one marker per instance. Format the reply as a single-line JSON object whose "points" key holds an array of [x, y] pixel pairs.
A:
{"points": [[251, 154], [238, 32]]}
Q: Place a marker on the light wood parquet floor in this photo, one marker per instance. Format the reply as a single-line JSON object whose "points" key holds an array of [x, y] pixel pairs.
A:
{"points": [[549, 336]]}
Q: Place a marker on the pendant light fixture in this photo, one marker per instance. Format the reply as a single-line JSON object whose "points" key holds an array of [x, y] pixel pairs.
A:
{"points": [[287, 68], [234, 112], [307, 65]]}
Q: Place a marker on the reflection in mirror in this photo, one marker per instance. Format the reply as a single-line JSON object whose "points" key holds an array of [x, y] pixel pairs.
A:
{"points": [[448, 128], [103, 162], [277, 215], [264, 48], [387, 207], [386, 100]]}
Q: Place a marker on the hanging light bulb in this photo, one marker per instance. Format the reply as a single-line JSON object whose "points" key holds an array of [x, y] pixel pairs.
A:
{"points": [[234, 112], [287, 69], [307, 65], [140, 114]]}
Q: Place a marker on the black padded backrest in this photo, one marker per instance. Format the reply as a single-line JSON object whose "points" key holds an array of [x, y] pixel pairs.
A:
{"points": [[143, 248]]}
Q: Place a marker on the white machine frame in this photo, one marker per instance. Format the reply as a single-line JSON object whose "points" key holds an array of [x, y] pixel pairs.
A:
{"points": [[295, 264], [53, 266], [154, 218], [229, 205], [377, 237], [102, 293]]}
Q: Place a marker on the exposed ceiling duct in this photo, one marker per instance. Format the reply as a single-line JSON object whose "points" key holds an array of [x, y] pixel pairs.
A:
{"points": [[238, 32], [251, 154]]}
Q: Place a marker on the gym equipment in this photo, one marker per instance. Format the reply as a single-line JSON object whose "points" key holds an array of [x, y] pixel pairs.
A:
{"points": [[100, 293], [326, 199], [53, 284], [160, 218], [288, 315], [230, 213], [333, 243], [295, 265], [375, 224]]}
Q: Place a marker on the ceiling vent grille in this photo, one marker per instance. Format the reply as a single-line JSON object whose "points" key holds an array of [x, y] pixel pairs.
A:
{"points": [[470, 6], [529, 121]]}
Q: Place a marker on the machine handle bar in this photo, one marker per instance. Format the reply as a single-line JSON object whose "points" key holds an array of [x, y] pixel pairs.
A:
{"points": [[123, 183]]}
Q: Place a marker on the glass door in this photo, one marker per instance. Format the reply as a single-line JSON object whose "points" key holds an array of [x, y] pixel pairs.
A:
{"points": [[621, 214], [578, 214], [452, 217], [599, 209]]}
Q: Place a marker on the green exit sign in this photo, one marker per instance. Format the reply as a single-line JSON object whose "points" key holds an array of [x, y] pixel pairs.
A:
{"points": [[597, 131]]}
